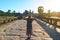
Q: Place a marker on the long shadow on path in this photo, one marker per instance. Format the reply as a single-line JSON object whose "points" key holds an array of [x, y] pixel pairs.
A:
{"points": [[52, 32], [28, 38]]}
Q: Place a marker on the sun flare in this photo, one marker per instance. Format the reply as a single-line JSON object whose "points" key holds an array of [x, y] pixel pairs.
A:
{"points": [[54, 5]]}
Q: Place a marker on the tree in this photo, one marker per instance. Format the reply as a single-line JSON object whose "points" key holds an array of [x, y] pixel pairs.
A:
{"points": [[9, 11], [1, 13], [40, 9], [49, 13], [14, 11], [25, 13]]}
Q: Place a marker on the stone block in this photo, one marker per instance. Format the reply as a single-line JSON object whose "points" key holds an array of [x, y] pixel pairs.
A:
{"points": [[12, 38]]}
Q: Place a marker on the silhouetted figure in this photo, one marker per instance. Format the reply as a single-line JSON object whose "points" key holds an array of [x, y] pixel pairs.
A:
{"points": [[29, 26]]}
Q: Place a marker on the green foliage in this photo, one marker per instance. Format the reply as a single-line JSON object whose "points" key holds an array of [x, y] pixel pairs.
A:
{"points": [[1, 12], [25, 13], [8, 13], [42, 14], [40, 9]]}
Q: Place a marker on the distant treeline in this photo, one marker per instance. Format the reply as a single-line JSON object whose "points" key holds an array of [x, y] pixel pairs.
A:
{"points": [[9, 13], [16, 14]]}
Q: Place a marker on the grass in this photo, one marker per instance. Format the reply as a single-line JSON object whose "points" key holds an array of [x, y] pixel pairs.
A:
{"points": [[4, 17]]}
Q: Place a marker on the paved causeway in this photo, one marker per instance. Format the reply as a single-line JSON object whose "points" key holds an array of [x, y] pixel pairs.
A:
{"points": [[17, 31]]}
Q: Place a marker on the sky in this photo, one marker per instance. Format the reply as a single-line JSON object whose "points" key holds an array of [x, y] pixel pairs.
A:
{"points": [[21, 5]]}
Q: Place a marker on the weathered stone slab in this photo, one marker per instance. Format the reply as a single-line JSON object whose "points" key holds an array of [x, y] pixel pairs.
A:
{"points": [[12, 38], [2, 33], [2, 38], [34, 38], [12, 32], [47, 38]]}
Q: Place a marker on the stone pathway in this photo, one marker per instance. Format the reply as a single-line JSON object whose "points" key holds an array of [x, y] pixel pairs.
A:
{"points": [[17, 31]]}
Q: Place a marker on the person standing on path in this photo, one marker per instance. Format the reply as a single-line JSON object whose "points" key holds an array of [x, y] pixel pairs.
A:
{"points": [[29, 26]]}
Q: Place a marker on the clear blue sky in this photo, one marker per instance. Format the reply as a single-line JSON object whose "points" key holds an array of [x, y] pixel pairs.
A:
{"points": [[21, 5]]}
